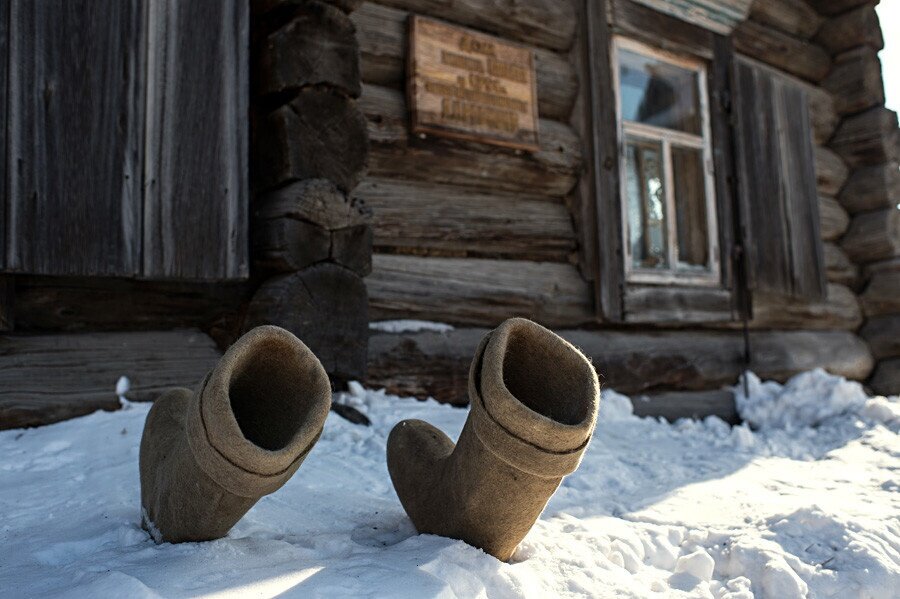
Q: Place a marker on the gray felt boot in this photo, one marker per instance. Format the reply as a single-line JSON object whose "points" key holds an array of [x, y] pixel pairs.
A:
{"points": [[534, 400], [207, 456]]}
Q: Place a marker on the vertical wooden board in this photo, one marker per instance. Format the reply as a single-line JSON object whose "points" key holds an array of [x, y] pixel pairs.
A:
{"points": [[196, 195], [777, 186], [4, 95], [723, 158], [600, 114], [74, 121]]}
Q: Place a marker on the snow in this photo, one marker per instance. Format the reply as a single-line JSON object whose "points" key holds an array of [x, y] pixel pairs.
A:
{"points": [[803, 503], [409, 326]]}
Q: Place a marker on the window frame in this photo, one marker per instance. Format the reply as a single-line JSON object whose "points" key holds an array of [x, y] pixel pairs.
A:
{"points": [[666, 137]]}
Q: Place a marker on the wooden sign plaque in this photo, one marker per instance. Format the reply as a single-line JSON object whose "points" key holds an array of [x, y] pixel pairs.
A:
{"points": [[468, 85]]}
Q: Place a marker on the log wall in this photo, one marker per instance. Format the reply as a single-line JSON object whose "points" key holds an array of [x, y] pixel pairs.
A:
{"points": [[469, 235]]}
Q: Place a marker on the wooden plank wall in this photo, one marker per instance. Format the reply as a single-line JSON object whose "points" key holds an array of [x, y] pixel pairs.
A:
{"points": [[73, 88]]}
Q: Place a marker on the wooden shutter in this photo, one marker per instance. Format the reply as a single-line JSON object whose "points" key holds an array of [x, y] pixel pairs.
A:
{"points": [[74, 126], [777, 184], [126, 127], [195, 207]]}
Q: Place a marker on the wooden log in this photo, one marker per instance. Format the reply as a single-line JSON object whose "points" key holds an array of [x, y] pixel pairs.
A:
{"points": [[317, 201], [93, 304], [443, 220], [677, 306], [308, 222], [855, 80], [882, 266], [856, 27], [436, 364], [260, 7], [790, 54], [822, 113], [477, 292], [697, 405], [886, 379], [839, 311], [831, 172], [7, 302], [317, 46], [351, 247], [553, 170], [288, 245], [48, 378], [882, 295], [882, 333], [836, 7], [872, 188], [318, 135], [838, 267], [868, 138], [325, 305], [833, 219], [382, 34], [873, 236], [655, 27], [794, 17], [547, 23]]}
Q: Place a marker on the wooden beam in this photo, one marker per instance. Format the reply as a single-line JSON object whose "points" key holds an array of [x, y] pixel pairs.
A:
{"points": [[839, 311], [872, 188], [552, 171], [382, 30], [443, 220], [838, 267], [697, 405], [334, 141], [477, 292], [880, 297], [547, 23], [793, 17], [785, 52], [855, 80], [92, 304], [873, 236], [325, 306], [882, 333], [833, 219], [822, 113], [886, 379], [317, 46], [831, 172], [7, 302], [836, 7], [868, 138], [436, 364], [856, 27], [52, 377]]}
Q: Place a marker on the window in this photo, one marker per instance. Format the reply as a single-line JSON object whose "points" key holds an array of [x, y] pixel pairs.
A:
{"points": [[666, 167]]}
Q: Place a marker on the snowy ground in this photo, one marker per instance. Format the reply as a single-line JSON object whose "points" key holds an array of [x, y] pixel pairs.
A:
{"points": [[807, 505]]}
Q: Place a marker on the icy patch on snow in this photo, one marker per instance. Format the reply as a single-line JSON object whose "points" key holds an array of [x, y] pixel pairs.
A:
{"points": [[409, 326], [691, 509]]}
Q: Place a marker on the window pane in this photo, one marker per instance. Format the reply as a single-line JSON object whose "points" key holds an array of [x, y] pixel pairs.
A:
{"points": [[658, 93], [690, 208], [646, 204]]}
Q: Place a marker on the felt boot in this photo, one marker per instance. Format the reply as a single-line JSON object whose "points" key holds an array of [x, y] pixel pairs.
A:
{"points": [[207, 456], [533, 405]]}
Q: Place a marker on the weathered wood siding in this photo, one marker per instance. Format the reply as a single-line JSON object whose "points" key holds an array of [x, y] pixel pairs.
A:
{"points": [[75, 122], [125, 128]]}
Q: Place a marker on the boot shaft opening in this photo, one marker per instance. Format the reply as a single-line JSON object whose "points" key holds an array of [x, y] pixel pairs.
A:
{"points": [[546, 376], [270, 394]]}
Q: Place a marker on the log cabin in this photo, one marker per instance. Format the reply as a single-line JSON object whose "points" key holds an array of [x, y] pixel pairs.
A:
{"points": [[683, 189]]}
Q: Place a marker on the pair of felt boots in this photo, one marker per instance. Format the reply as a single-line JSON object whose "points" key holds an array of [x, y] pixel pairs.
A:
{"points": [[207, 456]]}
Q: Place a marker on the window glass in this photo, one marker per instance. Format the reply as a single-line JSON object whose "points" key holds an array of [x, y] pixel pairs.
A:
{"points": [[658, 93], [690, 207], [646, 204]]}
